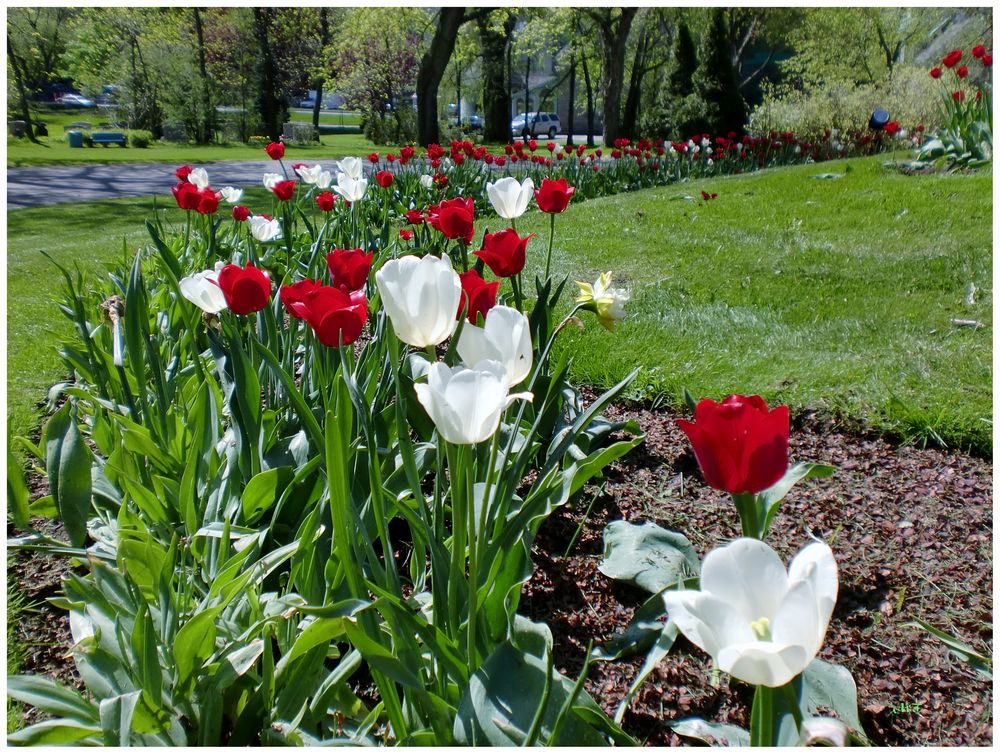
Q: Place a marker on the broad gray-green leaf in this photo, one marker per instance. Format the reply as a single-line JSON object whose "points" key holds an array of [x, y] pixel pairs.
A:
{"points": [[500, 704], [47, 695], [646, 555], [832, 687], [67, 463], [712, 734]]}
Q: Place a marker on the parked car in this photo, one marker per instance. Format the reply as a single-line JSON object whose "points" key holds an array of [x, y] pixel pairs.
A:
{"points": [[470, 123], [535, 124], [74, 100]]}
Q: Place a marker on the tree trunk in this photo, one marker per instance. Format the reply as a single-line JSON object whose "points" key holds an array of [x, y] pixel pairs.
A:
{"points": [[630, 117], [432, 66], [614, 36], [496, 81], [268, 102], [590, 102], [572, 99], [458, 93], [206, 127], [22, 92], [324, 40]]}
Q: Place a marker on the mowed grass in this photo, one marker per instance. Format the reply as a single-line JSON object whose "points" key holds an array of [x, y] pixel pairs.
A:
{"points": [[55, 150], [830, 295], [835, 295]]}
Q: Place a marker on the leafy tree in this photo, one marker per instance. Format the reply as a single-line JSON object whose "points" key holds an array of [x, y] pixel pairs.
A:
{"points": [[613, 30], [715, 80], [373, 62], [495, 29]]}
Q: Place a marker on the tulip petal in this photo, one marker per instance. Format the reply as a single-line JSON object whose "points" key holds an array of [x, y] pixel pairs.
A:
{"points": [[707, 621], [748, 575], [798, 621], [763, 663], [766, 451]]}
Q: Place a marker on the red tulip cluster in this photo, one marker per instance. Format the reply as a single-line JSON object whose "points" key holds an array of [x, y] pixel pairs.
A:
{"points": [[337, 317], [204, 201]]}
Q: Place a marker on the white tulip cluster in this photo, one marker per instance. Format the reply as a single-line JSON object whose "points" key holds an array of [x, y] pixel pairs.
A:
{"points": [[465, 402]]}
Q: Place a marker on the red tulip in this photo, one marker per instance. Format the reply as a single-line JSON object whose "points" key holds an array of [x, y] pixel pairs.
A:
{"points": [[935, 72], [349, 268], [553, 196], [183, 172], [478, 296], [532, 145], [504, 252], [978, 51], [293, 296], [741, 447], [406, 153], [373, 158], [962, 71], [987, 60], [405, 234], [384, 178], [336, 317], [275, 150], [958, 96], [454, 218], [188, 195], [892, 127], [415, 217], [952, 58], [208, 201], [246, 289], [241, 213], [325, 201], [390, 157], [284, 190]]}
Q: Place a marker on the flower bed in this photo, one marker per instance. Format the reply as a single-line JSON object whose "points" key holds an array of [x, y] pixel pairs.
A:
{"points": [[303, 449]]}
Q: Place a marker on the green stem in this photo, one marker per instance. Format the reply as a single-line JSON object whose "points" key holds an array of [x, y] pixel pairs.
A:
{"points": [[746, 506], [552, 231], [762, 717]]}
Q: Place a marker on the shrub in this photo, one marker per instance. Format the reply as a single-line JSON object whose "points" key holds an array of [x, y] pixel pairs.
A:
{"points": [[139, 139], [909, 96]]}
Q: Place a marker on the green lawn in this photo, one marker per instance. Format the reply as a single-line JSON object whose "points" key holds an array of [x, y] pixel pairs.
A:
{"points": [[835, 295]]}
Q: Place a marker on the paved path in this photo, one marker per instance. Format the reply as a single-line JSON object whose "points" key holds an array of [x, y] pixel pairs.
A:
{"points": [[58, 184]]}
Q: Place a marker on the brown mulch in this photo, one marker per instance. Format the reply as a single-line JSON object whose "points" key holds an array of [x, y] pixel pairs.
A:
{"points": [[912, 533], [911, 529]]}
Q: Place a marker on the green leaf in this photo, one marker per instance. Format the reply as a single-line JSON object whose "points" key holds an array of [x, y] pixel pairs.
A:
{"points": [[55, 733], [711, 734], [981, 663], [262, 491], [500, 704], [67, 464], [832, 687], [194, 643], [17, 491], [313, 634], [647, 556], [593, 464], [380, 658], [661, 647], [47, 695], [116, 718], [769, 499], [639, 635], [143, 561]]}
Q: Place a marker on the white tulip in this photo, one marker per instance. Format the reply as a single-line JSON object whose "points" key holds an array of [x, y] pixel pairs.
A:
{"points": [[231, 195], [427, 181], [353, 190], [505, 338], [759, 623], [315, 176], [509, 198], [465, 403], [199, 177], [710, 162], [421, 298], [352, 167], [705, 142], [202, 290], [270, 180], [264, 230]]}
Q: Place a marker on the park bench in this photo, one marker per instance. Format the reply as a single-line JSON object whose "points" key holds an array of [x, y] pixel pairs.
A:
{"points": [[108, 138]]}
